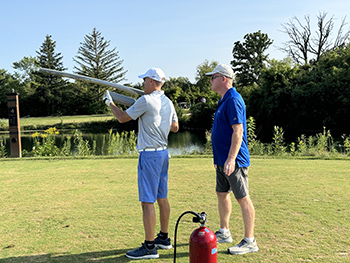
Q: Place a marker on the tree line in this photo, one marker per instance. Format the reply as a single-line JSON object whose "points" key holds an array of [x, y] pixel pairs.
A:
{"points": [[303, 93]]}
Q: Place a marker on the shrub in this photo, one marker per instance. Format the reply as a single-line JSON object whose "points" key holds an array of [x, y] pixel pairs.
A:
{"points": [[3, 152], [82, 147], [44, 143]]}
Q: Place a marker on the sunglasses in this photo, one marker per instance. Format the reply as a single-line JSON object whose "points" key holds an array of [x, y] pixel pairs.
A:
{"points": [[217, 76]]}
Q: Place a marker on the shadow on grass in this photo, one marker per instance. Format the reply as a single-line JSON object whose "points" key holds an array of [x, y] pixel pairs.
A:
{"points": [[101, 256]]}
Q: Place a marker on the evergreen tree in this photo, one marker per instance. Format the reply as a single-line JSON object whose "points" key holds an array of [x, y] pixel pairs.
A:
{"points": [[49, 89], [96, 60], [24, 69]]}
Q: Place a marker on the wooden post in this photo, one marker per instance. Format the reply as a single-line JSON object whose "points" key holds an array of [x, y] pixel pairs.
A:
{"points": [[14, 125]]}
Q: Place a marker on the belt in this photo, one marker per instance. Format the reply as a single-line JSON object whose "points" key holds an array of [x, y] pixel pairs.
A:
{"points": [[153, 149]]}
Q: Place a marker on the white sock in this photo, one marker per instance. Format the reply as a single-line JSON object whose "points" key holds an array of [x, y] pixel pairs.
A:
{"points": [[224, 231], [249, 239]]}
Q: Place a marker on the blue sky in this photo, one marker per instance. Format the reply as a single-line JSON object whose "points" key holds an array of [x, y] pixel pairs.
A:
{"points": [[176, 36]]}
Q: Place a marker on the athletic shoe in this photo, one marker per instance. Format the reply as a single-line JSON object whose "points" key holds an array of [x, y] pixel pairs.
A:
{"points": [[243, 247], [164, 244], [223, 238], [142, 253]]}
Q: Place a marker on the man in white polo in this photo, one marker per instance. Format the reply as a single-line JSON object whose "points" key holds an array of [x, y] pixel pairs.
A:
{"points": [[156, 118]]}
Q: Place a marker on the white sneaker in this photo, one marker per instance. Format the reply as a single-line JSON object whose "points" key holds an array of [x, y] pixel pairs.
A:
{"points": [[223, 238], [243, 247]]}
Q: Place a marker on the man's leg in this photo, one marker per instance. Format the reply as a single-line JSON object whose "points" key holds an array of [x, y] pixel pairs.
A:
{"points": [[248, 215], [148, 249], [163, 240], [224, 205], [147, 186], [149, 220], [164, 214], [248, 243]]}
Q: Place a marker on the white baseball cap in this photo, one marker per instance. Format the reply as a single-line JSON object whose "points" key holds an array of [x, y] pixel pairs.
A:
{"points": [[223, 70], [154, 73]]}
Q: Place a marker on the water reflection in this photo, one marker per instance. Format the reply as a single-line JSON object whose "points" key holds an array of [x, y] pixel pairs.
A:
{"points": [[183, 142], [186, 142]]}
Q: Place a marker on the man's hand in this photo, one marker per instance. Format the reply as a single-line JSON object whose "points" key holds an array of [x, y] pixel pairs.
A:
{"points": [[107, 98], [174, 127], [229, 166]]}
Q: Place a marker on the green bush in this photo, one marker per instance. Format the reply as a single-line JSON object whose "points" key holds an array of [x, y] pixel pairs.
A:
{"points": [[3, 152], [44, 143], [124, 143]]}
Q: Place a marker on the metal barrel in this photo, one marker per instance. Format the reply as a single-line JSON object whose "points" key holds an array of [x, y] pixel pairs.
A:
{"points": [[94, 80], [121, 99]]}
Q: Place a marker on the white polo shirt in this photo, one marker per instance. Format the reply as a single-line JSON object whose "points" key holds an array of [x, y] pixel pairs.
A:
{"points": [[156, 113]]}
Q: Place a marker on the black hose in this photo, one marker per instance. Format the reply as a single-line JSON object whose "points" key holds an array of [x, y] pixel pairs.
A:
{"points": [[177, 223]]}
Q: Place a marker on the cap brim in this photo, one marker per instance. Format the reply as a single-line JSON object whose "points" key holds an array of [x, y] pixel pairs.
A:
{"points": [[210, 73], [142, 76]]}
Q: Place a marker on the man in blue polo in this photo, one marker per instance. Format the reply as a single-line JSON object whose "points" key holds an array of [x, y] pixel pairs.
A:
{"points": [[231, 159], [156, 118]]}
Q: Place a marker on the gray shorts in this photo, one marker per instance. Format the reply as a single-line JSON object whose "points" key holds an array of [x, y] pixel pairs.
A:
{"points": [[237, 182]]}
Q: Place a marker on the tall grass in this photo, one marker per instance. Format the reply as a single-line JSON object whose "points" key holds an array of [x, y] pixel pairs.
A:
{"points": [[3, 152], [114, 143], [320, 145]]}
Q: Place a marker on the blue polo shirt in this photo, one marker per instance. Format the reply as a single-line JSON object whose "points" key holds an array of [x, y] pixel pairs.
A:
{"points": [[231, 110]]}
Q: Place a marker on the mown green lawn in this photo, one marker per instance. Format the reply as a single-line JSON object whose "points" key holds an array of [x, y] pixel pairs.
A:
{"points": [[47, 121], [87, 210], [65, 119]]}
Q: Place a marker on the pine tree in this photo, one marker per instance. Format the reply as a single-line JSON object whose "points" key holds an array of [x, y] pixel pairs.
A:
{"points": [[96, 60], [49, 89]]}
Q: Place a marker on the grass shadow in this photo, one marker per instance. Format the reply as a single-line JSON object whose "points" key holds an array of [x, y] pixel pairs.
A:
{"points": [[107, 256]]}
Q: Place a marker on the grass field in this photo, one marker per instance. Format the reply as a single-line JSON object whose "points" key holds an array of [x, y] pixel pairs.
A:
{"points": [[87, 210]]}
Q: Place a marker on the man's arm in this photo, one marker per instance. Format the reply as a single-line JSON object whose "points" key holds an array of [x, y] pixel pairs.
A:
{"points": [[236, 142], [121, 115]]}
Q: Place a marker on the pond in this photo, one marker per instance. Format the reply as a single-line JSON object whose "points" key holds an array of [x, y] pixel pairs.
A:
{"points": [[183, 142]]}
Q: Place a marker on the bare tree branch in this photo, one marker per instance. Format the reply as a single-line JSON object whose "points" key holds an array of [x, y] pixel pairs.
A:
{"points": [[298, 45], [341, 39], [321, 43], [301, 45]]}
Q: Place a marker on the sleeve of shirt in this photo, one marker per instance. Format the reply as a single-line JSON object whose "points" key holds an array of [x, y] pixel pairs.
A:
{"points": [[138, 108], [174, 117], [235, 111]]}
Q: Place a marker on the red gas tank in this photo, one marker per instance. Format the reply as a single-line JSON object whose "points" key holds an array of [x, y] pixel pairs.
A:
{"points": [[203, 246]]}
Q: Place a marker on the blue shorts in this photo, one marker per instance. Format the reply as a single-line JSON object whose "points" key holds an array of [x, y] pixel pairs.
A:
{"points": [[153, 175]]}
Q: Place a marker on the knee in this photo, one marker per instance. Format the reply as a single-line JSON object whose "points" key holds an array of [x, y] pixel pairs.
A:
{"points": [[245, 202], [223, 197], [163, 203], [245, 199], [147, 206]]}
